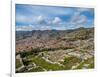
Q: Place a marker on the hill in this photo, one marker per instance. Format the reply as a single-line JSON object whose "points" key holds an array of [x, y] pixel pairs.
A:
{"points": [[54, 50]]}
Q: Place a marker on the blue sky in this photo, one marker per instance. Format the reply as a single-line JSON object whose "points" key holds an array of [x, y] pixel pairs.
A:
{"points": [[37, 17]]}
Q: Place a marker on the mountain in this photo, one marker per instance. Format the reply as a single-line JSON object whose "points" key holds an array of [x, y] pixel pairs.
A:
{"points": [[52, 50], [51, 38]]}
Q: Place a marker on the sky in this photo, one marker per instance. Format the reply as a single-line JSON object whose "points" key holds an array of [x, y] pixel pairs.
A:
{"points": [[38, 17]]}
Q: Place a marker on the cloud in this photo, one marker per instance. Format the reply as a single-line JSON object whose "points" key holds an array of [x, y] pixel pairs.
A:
{"points": [[45, 27], [43, 21], [56, 20], [24, 19], [50, 17], [81, 19], [40, 20], [78, 18], [24, 28], [27, 13], [81, 15], [21, 18], [50, 10]]}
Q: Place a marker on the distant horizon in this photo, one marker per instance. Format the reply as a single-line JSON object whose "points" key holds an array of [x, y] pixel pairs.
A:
{"points": [[57, 30], [38, 17]]}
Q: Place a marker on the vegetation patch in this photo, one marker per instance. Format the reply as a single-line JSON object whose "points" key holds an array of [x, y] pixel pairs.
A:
{"points": [[44, 64], [89, 63], [71, 61], [18, 64]]}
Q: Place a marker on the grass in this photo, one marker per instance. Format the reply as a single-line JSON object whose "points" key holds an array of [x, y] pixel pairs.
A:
{"points": [[70, 61], [44, 64], [90, 63], [18, 64], [33, 57], [38, 69]]}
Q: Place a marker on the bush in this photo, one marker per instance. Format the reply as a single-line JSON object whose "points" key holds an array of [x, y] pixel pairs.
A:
{"points": [[18, 64], [25, 53]]}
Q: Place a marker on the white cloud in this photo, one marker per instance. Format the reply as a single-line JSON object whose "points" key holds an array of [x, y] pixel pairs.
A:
{"points": [[24, 28], [43, 21], [78, 19], [45, 27], [40, 20], [56, 20], [21, 18], [60, 28], [49, 11], [24, 19]]}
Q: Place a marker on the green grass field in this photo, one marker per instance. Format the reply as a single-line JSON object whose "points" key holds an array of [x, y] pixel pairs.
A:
{"points": [[18, 64]]}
